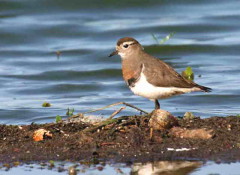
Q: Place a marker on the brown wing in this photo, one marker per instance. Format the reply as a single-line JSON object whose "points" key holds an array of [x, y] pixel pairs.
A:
{"points": [[161, 74]]}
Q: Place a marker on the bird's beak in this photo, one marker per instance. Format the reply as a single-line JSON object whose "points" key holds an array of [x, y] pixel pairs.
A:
{"points": [[113, 53]]}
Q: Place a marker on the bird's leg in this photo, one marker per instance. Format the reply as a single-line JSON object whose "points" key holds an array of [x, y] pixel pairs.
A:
{"points": [[157, 105]]}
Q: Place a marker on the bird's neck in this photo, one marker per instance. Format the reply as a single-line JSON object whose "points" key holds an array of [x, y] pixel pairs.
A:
{"points": [[130, 66]]}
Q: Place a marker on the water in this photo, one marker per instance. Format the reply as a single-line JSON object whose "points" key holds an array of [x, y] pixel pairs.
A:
{"points": [[154, 168], [85, 32], [84, 78]]}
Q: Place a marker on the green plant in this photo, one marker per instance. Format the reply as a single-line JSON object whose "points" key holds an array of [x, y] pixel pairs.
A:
{"points": [[164, 39], [46, 104], [58, 53], [51, 161], [58, 118], [188, 73], [70, 111]]}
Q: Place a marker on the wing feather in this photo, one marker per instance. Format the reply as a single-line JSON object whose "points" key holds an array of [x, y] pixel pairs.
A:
{"points": [[161, 74]]}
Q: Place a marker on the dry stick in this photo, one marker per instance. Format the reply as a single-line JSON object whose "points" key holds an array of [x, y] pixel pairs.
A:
{"points": [[134, 107], [116, 112], [102, 124], [151, 133], [114, 104]]}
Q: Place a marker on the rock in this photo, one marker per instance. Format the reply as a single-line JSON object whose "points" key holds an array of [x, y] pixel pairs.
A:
{"points": [[161, 120], [191, 133], [72, 170], [41, 134], [188, 116]]}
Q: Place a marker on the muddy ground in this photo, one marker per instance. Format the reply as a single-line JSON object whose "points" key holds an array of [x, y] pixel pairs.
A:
{"points": [[124, 139]]}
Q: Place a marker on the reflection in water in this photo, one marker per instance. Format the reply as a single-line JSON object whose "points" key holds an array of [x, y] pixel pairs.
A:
{"points": [[151, 168], [165, 168]]}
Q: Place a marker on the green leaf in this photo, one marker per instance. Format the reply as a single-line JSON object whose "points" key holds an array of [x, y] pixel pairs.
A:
{"points": [[164, 39], [51, 162], [188, 73], [70, 112], [167, 38], [58, 118], [46, 104], [155, 38]]}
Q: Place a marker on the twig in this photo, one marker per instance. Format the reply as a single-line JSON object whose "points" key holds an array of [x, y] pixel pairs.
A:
{"points": [[116, 112], [105, 123], [102, 124], [108, 143], [151, 133], [115, 104], [134, 107]]}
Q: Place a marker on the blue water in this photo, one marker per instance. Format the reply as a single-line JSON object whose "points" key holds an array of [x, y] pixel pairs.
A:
{"points": [[85, 32], [159, 168]]}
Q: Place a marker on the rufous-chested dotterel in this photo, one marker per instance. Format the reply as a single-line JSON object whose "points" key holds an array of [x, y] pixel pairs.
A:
{"points": [[150, 77]]}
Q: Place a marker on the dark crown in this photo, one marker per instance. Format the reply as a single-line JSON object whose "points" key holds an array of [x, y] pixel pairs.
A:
{"points": [[126, 39]]}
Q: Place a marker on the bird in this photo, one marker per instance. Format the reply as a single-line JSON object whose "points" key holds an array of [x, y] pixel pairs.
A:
{"points": [[150, 77]]}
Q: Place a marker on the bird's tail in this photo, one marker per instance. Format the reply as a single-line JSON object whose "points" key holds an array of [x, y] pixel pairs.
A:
{"points": [[205, 89]]}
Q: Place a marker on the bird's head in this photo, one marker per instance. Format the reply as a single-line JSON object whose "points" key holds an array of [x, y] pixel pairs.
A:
{"points": [[126, 47]]}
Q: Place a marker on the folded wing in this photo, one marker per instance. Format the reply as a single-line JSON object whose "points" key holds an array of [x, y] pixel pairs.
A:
{"points": [[161, 74]]}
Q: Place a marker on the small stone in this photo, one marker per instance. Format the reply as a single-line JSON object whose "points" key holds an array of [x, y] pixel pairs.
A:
{"points": [[100, 168], [158, 139], [16, 163], [191, 133], [72, 170], [229, 127], [60, 169], [161, 119], [41, 134], [188, 116]]}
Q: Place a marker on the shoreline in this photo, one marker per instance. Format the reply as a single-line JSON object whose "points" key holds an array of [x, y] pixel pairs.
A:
{"points": [[124, 139]]}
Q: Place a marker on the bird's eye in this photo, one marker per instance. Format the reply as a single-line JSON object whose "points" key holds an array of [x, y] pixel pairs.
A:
{"points": [[125, 45]]}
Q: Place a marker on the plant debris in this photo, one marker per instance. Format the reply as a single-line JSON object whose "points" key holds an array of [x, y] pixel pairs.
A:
{"points": [[41, 134], [46, 104]]}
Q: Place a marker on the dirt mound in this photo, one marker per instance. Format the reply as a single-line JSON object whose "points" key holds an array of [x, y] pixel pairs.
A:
{"points": [[127, 138]]}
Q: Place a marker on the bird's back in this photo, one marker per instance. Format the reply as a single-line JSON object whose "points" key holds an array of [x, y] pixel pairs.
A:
{"points": [[161, 74]]}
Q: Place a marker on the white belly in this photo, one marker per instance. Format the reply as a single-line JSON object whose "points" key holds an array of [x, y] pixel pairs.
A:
{"points": [[147, 90]]}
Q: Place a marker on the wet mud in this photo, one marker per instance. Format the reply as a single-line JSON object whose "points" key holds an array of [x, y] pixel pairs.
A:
{"points": [[125, 139]]}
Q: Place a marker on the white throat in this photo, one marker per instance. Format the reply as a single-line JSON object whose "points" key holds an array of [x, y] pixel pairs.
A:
{"points": [[122, 55]]}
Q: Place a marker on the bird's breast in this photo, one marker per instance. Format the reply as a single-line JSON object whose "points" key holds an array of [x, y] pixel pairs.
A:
{"points": [[127, 74], [129, 70]]}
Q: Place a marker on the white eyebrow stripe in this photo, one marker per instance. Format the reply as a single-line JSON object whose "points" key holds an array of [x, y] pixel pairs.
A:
{"points": [[129, 43]]}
